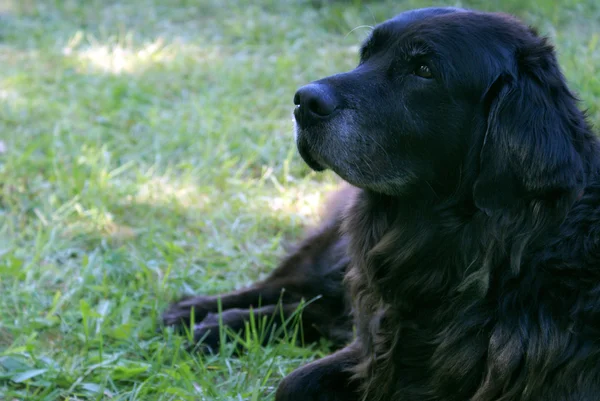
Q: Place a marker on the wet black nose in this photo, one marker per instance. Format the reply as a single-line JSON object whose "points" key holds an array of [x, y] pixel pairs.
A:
{"points": [[314, 101]]}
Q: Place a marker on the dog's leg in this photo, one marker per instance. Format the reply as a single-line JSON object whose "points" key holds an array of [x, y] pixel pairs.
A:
{"points": [[269, 320], [314, 270], [264, 293], [327, 379]]}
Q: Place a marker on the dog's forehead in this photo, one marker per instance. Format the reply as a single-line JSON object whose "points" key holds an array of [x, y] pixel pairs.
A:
{"points": [[401, 21], [449, 29]]}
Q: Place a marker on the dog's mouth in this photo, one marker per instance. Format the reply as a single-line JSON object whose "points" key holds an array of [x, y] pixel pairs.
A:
{"points": [[304, 148], [307, 155]]}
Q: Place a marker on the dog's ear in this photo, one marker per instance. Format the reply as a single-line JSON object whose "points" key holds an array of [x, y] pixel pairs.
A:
{"points": [[529, 149]]}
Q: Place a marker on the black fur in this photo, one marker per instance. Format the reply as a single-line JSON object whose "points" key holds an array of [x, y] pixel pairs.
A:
{"points": [[474, 240]]}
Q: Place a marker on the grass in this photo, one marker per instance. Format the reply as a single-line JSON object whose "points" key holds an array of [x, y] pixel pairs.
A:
{"points": [[146, 151]]}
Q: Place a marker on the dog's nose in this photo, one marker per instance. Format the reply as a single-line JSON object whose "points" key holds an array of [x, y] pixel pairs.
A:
{"points": [[314, 101]]}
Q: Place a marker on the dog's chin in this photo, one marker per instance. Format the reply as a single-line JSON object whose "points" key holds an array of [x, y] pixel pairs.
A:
{"points": [[305, 151], [308, 158]]}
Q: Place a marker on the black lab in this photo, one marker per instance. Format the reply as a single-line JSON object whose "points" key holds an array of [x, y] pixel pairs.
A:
{"points": [[470, 237]]}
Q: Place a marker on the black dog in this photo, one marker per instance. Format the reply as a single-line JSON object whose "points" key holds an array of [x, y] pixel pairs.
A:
{"points": [[474, 240]]}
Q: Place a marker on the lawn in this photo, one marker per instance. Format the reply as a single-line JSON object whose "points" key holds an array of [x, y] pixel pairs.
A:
{"points": [[146, 151]]}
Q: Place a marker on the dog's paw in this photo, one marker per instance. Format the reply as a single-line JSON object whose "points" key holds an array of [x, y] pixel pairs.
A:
{"points": [[180, 313], [326, 379], [310, 391], [207, 335]]}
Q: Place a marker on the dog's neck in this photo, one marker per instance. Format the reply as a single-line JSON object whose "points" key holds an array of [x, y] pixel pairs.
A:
{"points": [[429, 229]]}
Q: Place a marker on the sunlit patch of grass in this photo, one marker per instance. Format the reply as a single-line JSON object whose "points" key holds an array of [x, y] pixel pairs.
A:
{"points": [[147, 152], [117, 58], [116, 55]]}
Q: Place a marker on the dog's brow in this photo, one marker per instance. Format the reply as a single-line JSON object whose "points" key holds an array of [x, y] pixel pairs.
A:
{"points": [[367, 46], [412, 49], [417, 49], [376, 38]]}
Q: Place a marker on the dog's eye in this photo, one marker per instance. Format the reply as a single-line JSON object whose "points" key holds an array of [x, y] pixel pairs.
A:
{"points": [[423, 71]]}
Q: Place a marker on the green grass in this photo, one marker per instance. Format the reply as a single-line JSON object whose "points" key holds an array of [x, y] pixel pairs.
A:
{"points": [[146, 151]]}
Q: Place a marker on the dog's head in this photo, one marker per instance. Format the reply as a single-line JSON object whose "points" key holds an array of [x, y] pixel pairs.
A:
{"points": [[438, 87]]}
